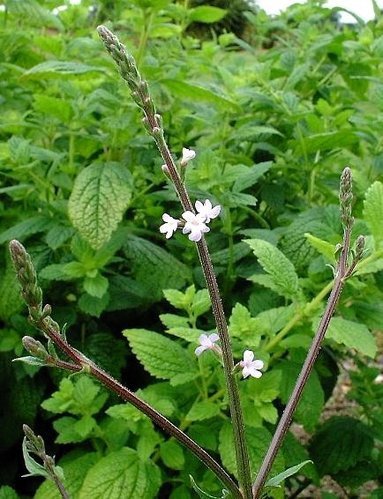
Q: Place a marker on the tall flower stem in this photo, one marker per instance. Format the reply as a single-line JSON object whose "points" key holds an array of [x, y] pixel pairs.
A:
{"points": [[343, 271], [41, 319], [152, 122]]}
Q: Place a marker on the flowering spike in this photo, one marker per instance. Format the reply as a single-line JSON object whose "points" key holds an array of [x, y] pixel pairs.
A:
{"points": [[345, 197], [26, 275]]}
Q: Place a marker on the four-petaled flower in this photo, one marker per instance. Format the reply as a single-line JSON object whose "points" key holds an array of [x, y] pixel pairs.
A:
{"points": [[194, 225], [207, 343], [251, 367], [206, 210], [187, 155], [170, 225]]}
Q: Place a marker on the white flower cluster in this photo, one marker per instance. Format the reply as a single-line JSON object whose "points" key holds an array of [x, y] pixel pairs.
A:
{"points": [[250, 367], [193, 224]]}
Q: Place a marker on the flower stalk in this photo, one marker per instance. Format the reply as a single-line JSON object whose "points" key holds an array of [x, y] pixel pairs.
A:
{"points": [[80, 363], [343, 271], [152, 122], [34, 444]]}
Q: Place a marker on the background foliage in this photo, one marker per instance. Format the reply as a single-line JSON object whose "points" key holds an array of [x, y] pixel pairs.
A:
{"points": [[274, 110]]}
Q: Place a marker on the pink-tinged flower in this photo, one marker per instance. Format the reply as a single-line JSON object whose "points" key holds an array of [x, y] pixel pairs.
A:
{"points": [[170, 225], [194, 226], [207, 343], [207, 211], [187, 155], [251, 367]]}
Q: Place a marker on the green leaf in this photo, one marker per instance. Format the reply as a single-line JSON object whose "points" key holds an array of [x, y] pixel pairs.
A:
{"points": [[201, 302], [178, 299], [10, 296], [55, 272], [100, 196], [353, 335], [172, 455], [58, 235], [323, 247], [122, 474], [276, 480], [96, 286], [354, 443], [154, 268], [53, 106], [85, 426], [9, 339], [34, 468], [34, 12], [373, 210], [206, 14], [7, 492], [186, 333], [75, 270], [161, 357], [195, 93], [203, 410], [328, 140], [174, 321], [27, 228], [243, 326], [67, 433], [279, 268], [58, 69], [92, 305]]}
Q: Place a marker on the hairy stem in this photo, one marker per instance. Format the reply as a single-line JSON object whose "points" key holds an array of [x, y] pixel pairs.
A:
{"points": [[41, 319], [342, 273], [152, 122]]}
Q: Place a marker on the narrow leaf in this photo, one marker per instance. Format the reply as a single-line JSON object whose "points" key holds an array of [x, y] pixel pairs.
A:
{"points": [[57, 69], [276, 480]]}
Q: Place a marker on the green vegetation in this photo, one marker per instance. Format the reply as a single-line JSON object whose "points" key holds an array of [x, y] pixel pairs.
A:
{"points": [[274, 113]]}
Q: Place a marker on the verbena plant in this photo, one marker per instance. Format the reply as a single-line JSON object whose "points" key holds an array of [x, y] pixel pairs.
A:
{"points": [[193, 222], [275, 126]]}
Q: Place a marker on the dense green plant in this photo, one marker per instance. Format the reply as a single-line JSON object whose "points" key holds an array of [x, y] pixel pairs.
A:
{"points": [[273, 129]]}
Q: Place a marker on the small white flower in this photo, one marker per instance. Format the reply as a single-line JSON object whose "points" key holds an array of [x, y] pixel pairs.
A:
{"points": [[207, 343], [206, 210], [187, 155], [251, 367], [170, 225], [194, 226]]}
